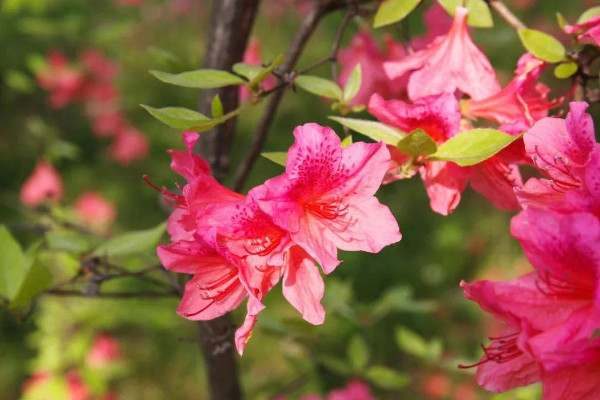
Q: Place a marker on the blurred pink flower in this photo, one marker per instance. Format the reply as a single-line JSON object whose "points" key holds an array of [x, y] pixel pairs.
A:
{"points": [[95, 211], [253, 56], [130, 2], [44, 184], [437, 22], [364, 50], [354, 390], [108, 123], [75, 387], [325, 198], [523, 100], [65, 83], [129, 145], [451, 62], [589, 29], [104, 351], [436, 386]]}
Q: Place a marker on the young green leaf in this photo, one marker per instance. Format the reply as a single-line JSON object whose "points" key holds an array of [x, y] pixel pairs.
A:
{"points": [[565, 70], [200, 79], [358, 353], [411, 343], [12, 264], [387, 378], [217, 107], [542, 45], [264, 72], [391, 11], [319, 86], [347, 141], [588, 14], [417, 143], [474, 146], [131, 243], [560, 19], [177, 117], [479, 15], [450, 5], [68, 241], [372, 129], [353, 85], [278, 157], [248, 71]]}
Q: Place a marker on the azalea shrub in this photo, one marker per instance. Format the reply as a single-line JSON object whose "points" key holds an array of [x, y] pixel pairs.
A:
{"points": [[420, 180]]}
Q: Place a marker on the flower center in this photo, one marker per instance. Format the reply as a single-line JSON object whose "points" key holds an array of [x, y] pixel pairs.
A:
{"points": [[501, 350], [211, 290], [174, 200], [552, 285], [329, 209], [264, 245]]}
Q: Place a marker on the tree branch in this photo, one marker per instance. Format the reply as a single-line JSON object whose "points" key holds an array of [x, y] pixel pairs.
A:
{"points": [[503, 11]]}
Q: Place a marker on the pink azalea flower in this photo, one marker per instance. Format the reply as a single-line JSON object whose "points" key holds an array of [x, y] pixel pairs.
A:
{"points": [[264, 254], [44, 184], [252, 56], [75, 387], [107, 124], [94, 210], [437, 22], [354, 390], [104, 351], [99, 66], [560, 149], [551, 315], [64, 82], [444, 182], [451, 62], [589, 29], [523, 100], [365, 51], [325, 198], [233, 249], [129, 145]]}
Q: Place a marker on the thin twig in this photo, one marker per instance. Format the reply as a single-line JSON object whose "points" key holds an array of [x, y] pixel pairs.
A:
{"points": [[338, 41], [319, 10], [504, 12]]}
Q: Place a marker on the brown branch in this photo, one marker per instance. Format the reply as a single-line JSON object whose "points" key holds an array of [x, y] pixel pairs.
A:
{"points": [[504, 12]]}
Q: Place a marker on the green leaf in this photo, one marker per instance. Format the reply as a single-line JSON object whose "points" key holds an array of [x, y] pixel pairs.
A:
{"points": [[12, 264], [217, 107], [411, 343], [248, 71], [542, 45], [336, 365], [18, 81], [372, 129], [177, 117], [588, 14], [358, 353], [265, 72], [391, 11], [319, 86], [278, 157], [560, 19], [353, 85], [347, 141], [37, 278], [200, 79], [387, 378], [417, 143], [565, 70], [400, 298], [68, 241], [450, 5], [474, 146], [131, 243], [479, 14]]}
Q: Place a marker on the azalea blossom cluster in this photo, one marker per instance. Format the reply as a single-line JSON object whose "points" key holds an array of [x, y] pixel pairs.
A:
{"points": [[551, 316], [239, 247], [443, 88], [105, 352], [92, 83]]}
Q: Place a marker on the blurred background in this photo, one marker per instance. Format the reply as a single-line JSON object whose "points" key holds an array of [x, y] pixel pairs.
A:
{"points": [[396, 321]]}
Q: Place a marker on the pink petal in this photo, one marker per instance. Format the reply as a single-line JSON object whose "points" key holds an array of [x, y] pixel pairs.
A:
{"points": [[244, 332], [496, 180], [444, 183], [577, 383], [303, 286]]}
